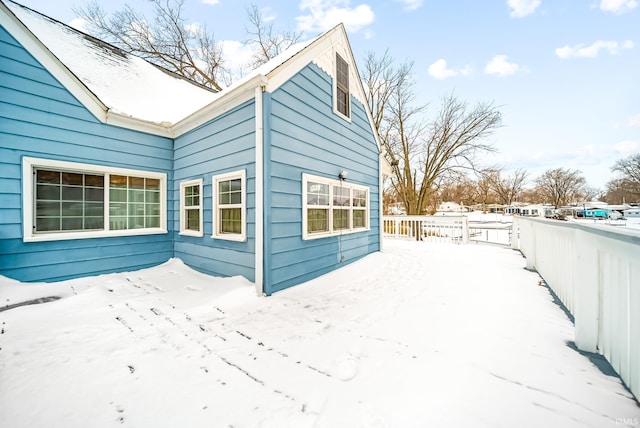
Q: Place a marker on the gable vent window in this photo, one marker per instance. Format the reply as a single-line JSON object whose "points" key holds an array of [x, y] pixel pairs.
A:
{"points": [[342, 86]]}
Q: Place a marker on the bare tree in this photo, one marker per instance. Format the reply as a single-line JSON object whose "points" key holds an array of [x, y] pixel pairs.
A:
{"points": [[188, 50], [509, 188], [628, 170], [461, 190], [452, 143], [381, 79], [561, 186], [619, 191], [268, 42], [484, 186]]}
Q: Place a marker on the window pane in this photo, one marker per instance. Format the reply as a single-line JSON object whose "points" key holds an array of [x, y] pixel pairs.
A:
{"points": [[136, 222], [71, 223], [68, 201], [72, 179], [94, 223], [340, 196], [231, 220], [71, 193], [359, 218], [72, 209], [317, 220], [192, 196], [118, 181], [94, 209], [230, 192], [128, 201], [342, 102], [44, 224], [93, 194], [136, 183], [153, 209], [47, 192], [317, 193], [153, 221], [48, 209], [94, 181], [342, 72], [153, 184], [51, 177], [152, 196], [117, 222], [359, 198], [340, 219], [136, 196], [193, 219], [136, 209]]}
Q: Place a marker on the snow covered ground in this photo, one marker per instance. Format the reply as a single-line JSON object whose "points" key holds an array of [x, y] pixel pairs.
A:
{"points": [[420, 335]]}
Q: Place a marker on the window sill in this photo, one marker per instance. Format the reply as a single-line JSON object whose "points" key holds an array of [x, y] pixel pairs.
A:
{"points": [[230, 237], [65, 236], [191, 233], [311, 236]]}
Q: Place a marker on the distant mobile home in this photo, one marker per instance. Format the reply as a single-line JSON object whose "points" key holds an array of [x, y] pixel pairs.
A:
{"points": [[109, 163]]}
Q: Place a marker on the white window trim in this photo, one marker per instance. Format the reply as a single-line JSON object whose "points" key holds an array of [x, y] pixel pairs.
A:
{"points": [[240, 237], [29, 164], [335, 88], [183, 220], [306, 235]]}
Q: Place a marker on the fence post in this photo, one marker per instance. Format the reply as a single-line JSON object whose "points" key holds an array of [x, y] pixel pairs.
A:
{"points": [[465, 230], [515, 234], [586, 300]]}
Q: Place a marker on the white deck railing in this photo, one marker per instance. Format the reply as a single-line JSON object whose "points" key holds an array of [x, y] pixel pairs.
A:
{"points": [[595, 271], [444, 229], [447, 229]]}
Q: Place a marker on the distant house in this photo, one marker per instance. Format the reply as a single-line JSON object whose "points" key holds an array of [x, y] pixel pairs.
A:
{"points": [[451, 208], [109, 163]]}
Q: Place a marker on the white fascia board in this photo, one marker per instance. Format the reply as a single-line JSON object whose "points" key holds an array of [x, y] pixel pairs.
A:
{"points": [[226, 101], [123, 121], [44, 56]]}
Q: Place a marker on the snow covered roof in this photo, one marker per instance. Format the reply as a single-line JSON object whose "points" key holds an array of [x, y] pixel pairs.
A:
{"points": [[124, 83], [125, 90]]}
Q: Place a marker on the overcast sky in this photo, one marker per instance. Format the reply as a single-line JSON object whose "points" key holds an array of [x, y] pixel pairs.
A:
{"points": [[564, 73]]}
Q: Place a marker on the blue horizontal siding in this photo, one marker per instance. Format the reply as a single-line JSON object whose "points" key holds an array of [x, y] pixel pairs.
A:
{"points": [[306, 136], [41, 118], [224, 144]]}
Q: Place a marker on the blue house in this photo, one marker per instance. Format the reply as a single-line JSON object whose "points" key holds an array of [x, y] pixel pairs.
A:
{"points": [[109, 163]]}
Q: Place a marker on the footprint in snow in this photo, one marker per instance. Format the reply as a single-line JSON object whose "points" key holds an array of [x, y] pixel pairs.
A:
{"points": [[348, 368]]}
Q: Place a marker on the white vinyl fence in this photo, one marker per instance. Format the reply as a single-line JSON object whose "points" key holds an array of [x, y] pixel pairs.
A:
{"points": [[445, 229], [595, 271]]}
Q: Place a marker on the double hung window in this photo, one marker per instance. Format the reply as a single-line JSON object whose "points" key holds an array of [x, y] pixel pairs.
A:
{"points": [[229, 206], [191, 208], [342, 87]]}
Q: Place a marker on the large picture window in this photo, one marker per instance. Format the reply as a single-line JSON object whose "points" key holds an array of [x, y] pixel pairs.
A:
{"points": [[229, 206], [332, 207], [342, 87], [68, 200], [191, 208]]}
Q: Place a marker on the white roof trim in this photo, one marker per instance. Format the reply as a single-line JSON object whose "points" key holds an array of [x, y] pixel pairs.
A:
{"points": [[225, 102]]}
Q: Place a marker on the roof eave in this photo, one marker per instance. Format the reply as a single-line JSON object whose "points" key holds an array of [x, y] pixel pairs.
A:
{"points": [[225, 102]]}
